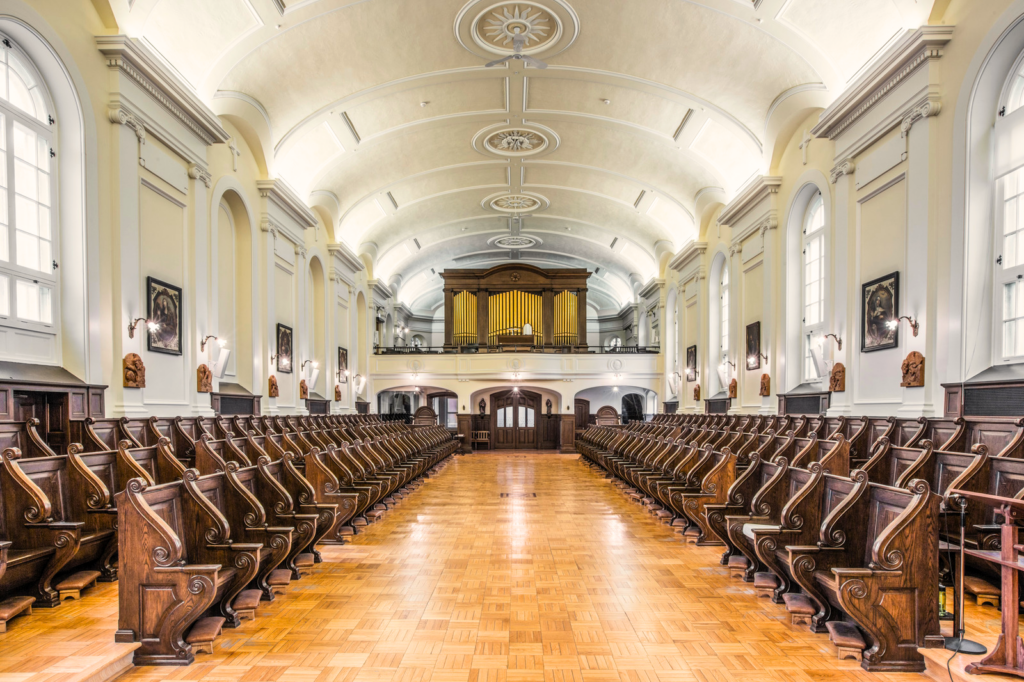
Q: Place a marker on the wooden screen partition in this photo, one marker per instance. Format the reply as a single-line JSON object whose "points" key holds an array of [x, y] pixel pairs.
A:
{"points": [[487, 308]]}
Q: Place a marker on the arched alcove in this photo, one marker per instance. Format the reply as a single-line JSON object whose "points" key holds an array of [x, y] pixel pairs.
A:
{"points": [[717, 339], [361, 345], [233, 265], [316, 310]]}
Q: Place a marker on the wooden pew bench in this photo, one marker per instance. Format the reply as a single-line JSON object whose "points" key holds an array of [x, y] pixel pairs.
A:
{"points": [[181, 567]]}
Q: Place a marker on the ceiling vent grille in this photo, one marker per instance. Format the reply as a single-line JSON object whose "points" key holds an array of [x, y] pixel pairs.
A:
{"points": [[614, 242], [351, 128], [682, 124], [636, 204], [393, 202]]}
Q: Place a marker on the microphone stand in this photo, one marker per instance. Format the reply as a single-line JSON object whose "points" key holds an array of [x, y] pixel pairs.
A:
{"points": [[957, 642]]}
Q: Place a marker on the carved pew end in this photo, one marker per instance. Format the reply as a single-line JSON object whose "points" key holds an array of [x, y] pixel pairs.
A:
{"points": [[72, 586], [847, 639], [279, 580], [245, 604], [9, 608], [984, 592], [203, 633], [800, 608], [765, 584]]}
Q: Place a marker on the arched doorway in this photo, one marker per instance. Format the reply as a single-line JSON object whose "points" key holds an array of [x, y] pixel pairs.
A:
{"points": [[514, 417], [632, 408]]}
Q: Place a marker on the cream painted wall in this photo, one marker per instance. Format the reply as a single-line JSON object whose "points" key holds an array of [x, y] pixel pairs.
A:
{"points": [[905, 220]]}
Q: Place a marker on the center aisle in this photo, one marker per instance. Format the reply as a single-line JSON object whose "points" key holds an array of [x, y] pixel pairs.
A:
{"points": [[519, 567]]}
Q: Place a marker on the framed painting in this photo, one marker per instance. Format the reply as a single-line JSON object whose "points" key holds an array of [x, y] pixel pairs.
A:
{"points": [[342, 365], [163, 311], [691, 363], [880, 305], [284, 348], [754, 345]]}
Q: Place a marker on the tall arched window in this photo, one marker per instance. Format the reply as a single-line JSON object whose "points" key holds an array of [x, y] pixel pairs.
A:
{"points": [[28, 215], [723, 295], [813, 252], [1008, 241]]}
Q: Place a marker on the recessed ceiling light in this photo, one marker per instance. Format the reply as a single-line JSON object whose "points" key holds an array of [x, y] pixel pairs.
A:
{"points": [[423, 104], [607, 101], [277, 26], [464, 229], [759, 20]]}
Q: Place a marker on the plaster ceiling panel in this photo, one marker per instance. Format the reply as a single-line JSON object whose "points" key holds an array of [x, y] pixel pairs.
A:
{"points": [[849, 32], [348, 50], [442, 99], [633, 106], [733, 157], [311, 151], [695, 49], [621, 151], [543, 175], [393, 158], [191, 34], [492, 176]]}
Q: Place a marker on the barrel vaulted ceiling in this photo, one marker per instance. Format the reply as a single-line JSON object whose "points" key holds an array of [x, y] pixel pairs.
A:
{"points": [[382, 113]]}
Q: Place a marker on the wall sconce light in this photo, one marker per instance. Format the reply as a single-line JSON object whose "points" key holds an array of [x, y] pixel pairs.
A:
{"points": [[315, 364], [220, 342], [339, 373], [752, 360], [153, 326], [839, 340], [727, 362], [915, 327]]}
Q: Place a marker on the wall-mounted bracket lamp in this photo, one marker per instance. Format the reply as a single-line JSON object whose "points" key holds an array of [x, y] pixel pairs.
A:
{"points": [[752, 359], [220, 342], [915, 326], [152, 326], [839, 340]]}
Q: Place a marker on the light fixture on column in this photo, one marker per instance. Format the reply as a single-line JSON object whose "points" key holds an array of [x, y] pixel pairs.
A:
{"points": [[839, 340], [752, 360], [309, 362], [728, 362], [915, 327], [220, 342], [152, 326], [340, 373]]}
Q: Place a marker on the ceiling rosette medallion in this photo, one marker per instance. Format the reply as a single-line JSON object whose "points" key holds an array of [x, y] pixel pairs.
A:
{"points": [[487, 28], [516, 141], [519, 202]]}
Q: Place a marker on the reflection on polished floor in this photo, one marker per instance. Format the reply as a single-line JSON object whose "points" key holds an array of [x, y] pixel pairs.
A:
{"points": [[517, 567]]}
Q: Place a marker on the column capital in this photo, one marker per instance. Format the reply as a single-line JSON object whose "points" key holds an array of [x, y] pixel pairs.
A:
{"points": [[930, 107], [197, 172], [123, 117], [842, 168]]}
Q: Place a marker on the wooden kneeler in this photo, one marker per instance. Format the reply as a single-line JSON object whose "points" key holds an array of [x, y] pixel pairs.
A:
{"points": [[847, 639], [203, 633], [72, 586]]}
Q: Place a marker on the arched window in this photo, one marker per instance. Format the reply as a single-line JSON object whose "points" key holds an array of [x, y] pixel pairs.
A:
{"points": [[28, 215], [813, 291], [723, 297]]}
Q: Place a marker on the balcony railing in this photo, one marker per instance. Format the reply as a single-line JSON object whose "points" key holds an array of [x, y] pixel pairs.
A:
{"points": [[548, 350]]}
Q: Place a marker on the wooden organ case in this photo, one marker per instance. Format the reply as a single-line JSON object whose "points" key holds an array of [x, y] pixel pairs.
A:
{"points": [[515, 307]]}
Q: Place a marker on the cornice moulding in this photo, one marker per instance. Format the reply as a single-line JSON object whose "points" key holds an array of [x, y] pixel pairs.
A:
{"points": [[346, 257], [901, 60], [380, 289], [652, 287], [136, 62], [283, 196], [749, 197], [690, 252]]}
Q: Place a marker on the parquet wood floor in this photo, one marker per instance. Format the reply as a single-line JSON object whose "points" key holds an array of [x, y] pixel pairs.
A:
{"points": [[519, 567]]}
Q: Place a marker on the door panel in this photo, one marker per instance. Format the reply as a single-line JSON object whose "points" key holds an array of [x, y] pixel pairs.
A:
{"points": [[514, 419]]}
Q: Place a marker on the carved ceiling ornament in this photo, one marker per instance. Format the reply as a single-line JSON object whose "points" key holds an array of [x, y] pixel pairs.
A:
{"points": [[510, 242], [490, 27], [516, 142], [515, 203]]}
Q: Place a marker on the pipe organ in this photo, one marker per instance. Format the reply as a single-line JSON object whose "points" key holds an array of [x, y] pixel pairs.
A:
{"points": [[515, 305]]}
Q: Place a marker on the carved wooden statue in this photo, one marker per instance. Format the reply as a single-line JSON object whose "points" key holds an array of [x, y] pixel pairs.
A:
{"points": [[337, 392], [134, 371], [483, 407], [696, 391], [913, 370], [204, 379], [547, 404], [732, 388], [837, 380], [303, 390], [766, 385], [273, 391]]}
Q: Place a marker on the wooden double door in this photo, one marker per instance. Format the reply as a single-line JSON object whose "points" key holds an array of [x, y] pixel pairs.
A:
{"points": [[515, 417]]}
